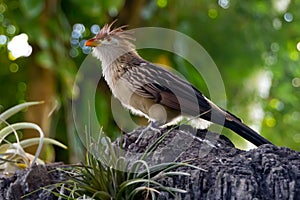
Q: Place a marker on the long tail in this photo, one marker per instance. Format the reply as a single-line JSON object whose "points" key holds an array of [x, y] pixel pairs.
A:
{"points": [[246, 132], [232, 122]]}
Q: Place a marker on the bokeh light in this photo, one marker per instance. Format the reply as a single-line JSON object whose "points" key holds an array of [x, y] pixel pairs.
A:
{"points": [[296, 82], [11, 29], [95, 29], [76, 40], [213, 13], [14, 67], [288, 17], [270, 121], [22, 86], [294, 55], [3, 39], [277, 24], [281, 5], [19, 46], [73, 53], [224, 3], [161, 3], [78, 28], [113, 12], [275, 47], [276, 104], [3, 7], [298, 46]]}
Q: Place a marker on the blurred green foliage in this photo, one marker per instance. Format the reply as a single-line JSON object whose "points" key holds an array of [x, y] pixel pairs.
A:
{"points": [[255, 44]]}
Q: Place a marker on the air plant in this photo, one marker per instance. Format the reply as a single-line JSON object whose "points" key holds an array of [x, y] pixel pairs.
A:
{"points": [[12, 155], [108, 174]]}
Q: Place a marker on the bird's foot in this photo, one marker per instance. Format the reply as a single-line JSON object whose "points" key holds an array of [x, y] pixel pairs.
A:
{"points": [[152, 127]]}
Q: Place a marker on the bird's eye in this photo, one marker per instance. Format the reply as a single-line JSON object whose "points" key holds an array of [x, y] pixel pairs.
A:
{"points": [[110, 41]]}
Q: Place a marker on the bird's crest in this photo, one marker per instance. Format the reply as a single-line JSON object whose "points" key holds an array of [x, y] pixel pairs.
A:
{"points": [[107, 30]]}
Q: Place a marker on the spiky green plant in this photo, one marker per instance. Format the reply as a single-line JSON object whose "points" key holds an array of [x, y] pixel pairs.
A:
{"points": [[108, 175], [13, 155]]}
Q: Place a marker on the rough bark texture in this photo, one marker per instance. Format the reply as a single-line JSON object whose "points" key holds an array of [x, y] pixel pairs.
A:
{"points": [[267, 172], [32, 183]]}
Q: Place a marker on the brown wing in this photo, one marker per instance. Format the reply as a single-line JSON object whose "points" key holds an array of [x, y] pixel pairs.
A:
{"points": [[167, 89]]}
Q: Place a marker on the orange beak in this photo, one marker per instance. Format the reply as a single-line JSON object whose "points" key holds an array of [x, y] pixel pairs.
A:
{"points": [[93, 42]]}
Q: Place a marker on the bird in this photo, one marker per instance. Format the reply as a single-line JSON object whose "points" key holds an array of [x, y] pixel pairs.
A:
{"points": [[152, 91]]}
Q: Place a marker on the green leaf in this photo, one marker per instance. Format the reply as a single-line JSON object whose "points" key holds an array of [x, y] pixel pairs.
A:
{"points": [[8, 113], [32, 141]]}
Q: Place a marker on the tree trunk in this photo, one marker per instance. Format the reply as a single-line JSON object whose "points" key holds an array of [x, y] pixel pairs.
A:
{"points": [[42, 83]]}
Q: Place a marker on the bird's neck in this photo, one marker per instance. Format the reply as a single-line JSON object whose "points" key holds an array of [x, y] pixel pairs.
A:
{"points": [[111, 55]]}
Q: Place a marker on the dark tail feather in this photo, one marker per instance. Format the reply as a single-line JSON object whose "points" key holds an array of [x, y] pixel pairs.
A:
{"points": [[246, 132], [224, 118]]}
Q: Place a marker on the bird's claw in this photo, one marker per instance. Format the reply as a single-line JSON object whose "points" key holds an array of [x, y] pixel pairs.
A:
{"points": [[152, 127]]}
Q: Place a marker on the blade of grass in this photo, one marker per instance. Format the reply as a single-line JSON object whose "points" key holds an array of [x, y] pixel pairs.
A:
{"points": [[32, 141], [137, 190], [11, 111]]}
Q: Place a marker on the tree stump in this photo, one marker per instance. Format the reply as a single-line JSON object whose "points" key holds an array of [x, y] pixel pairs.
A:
{"points": [[267, 172], [28, 184]]}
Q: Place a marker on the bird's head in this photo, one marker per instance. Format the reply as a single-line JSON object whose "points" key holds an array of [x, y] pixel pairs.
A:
{"points": [[111, 43]]}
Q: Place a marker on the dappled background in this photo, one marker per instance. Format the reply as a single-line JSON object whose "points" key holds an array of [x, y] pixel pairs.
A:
{"points": [[255, 44]]}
